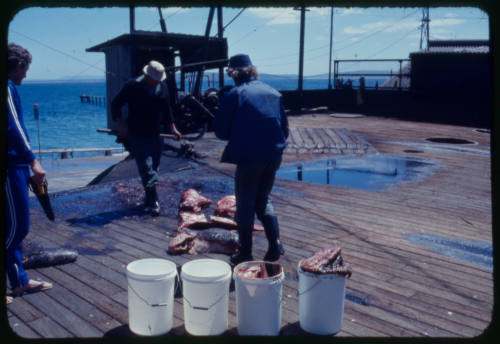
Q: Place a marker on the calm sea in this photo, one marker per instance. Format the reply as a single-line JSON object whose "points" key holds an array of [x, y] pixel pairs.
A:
{"points": [[66, 122]]}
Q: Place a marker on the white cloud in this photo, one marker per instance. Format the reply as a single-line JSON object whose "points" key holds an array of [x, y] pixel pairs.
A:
{"points": [[446, 22], [384, 26], [169, 10], [320, 38], [349, 11], [276, 16], [319, 11]]}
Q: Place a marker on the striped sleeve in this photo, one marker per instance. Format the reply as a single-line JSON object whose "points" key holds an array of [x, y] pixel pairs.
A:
{"points": [[17, 137]]}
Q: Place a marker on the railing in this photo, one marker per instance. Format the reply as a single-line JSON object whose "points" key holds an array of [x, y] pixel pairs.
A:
{"points": [[65, 151], [338, 82]]}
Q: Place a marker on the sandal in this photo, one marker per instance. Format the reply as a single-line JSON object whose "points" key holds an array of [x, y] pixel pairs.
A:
{"points": [[31, 287], [9, 299]]}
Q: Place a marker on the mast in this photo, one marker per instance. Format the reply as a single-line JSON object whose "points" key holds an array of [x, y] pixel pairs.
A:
{"points": [[424, 27]]}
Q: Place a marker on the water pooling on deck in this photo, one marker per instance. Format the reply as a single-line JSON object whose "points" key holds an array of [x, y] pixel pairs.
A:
{"points": [[369, 172]]}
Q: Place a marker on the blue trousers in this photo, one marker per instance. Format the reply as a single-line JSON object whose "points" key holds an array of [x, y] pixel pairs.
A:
{"points": [[18, 222], [147, 154], [253, 184]]}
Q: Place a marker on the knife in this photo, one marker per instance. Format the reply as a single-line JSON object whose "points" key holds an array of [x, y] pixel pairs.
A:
{"points": [[43, 197]]}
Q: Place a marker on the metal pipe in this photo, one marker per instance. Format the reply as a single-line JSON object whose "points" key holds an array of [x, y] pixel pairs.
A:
{"points": [[197, 85], [301, 49], [331, 44], [132, 19], [162, 22], [220, 34]]}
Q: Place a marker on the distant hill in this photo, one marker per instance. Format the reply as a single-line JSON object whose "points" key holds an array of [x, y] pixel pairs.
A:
{"points": [[263, 76]]}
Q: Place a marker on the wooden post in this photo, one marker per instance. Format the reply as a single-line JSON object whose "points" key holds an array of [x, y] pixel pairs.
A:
{"points": [[37, 117]]}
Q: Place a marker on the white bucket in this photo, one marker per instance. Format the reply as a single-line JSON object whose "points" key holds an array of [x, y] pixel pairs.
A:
{"points": [[205, 287], [151, 284], [321, 302], [258, 302]]}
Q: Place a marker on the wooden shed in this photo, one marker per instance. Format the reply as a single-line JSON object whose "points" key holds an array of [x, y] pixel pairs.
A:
{"points": [[127, 54]]}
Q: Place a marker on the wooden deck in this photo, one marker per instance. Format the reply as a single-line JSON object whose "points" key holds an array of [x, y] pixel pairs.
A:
{"points": [[398, 288]]}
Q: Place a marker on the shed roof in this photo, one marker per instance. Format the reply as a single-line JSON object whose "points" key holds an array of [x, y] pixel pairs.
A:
{"points": [[190, 47], [457, 46], [160, 39]]}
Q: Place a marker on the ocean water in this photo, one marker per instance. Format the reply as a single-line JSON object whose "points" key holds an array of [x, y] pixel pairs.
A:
{"points": [[65, 122]]}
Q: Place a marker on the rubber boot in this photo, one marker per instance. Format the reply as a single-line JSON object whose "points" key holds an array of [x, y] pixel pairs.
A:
{"points": [[245, 250], [275, 249]]}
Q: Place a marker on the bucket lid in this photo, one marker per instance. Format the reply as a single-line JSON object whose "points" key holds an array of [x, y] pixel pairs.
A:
{"points": [[151, 269], [205, 270]]}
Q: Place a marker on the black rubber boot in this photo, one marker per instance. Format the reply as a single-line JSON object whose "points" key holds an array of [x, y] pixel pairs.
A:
{"points": [[245, 250], [271, 229]]}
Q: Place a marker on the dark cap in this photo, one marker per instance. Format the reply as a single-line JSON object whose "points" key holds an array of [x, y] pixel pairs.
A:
{"points": [[240, 61]]}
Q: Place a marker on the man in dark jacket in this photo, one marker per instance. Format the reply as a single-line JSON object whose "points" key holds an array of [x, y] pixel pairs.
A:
{"points": [[148, 108], [252, 118], [20, 159]]}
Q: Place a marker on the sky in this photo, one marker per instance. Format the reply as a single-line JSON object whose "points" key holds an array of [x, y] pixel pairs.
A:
{"points": [[58, 37]]}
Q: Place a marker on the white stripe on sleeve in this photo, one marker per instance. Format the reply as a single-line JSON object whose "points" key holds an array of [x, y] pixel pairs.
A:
{"points": [[12, 108]]}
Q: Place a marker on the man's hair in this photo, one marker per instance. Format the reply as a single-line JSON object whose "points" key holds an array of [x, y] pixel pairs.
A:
{"points": [[243, 75], [17, 55]]}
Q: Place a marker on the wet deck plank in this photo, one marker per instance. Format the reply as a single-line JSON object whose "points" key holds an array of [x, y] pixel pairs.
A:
{"points": [[406, 289]]}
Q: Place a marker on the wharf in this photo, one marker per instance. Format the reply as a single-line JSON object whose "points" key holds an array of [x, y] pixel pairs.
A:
{"points": [[399, 287]]}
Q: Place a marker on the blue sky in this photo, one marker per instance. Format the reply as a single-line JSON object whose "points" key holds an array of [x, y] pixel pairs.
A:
{"points": [[58, 37]]}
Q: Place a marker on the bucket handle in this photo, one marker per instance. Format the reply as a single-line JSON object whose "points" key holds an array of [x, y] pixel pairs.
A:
{"points": [[309, 289], [204, 308], [163, 304]]}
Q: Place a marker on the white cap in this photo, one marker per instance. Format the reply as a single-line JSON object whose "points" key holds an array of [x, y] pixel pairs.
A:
{"points": [[155, 70]]}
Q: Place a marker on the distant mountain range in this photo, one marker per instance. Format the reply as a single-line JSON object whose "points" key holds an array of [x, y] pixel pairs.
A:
{"points": [[264, 76]]}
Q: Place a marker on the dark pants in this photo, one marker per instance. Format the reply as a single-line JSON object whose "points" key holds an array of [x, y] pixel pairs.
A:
{"points": [[253, 184], [17, 221], [147, 154]]}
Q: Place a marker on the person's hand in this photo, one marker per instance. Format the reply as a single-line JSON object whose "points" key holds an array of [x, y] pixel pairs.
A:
{"points": [[38, 173], [122, 128], [176, 133]]}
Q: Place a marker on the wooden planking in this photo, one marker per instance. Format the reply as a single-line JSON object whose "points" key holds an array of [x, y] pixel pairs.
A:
{"points": [[410, 290], [325, 140]]}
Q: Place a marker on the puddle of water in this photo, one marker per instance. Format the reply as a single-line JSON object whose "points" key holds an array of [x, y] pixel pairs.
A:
{"points": [[374, 172], [471, 251]]}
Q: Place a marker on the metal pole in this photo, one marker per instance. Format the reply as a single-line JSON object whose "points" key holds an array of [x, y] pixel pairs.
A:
{"points": [[162, 22], [220, 34], [331, 44], [132, 19], [197, 85], [301, 51]]}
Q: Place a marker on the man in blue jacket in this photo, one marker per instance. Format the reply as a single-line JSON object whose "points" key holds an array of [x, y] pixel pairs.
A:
{"points": [[20, 159], [252, 118]]}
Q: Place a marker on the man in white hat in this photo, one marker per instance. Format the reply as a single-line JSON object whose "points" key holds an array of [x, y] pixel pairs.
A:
{"points": [[149, 109]]}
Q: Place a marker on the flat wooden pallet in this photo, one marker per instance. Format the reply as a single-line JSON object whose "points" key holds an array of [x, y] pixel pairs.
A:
{"points": [[397, 288]]}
